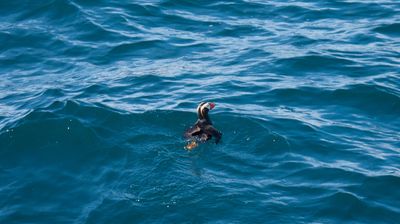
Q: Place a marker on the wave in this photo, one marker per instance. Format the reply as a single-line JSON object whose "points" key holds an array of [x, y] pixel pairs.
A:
{"points": [[357, 96], [389, 29], [314, 63]]}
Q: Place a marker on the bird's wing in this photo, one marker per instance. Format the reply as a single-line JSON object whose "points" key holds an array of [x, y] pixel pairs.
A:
{"points": [[192, 131], [210, 130]]}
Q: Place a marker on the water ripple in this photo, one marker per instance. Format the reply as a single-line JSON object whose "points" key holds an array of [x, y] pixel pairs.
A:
{"points": [[94, 98]]}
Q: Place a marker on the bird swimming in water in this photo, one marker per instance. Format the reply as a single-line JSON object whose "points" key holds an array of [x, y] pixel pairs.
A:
{"points": [[203, 129]]}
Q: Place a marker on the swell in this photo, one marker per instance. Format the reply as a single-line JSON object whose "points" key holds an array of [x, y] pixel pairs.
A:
{"points": [[99, 122], [87, 149], [358, 96], [95, 147]]}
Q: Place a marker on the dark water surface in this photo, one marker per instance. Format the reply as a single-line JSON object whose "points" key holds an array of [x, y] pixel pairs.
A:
{"points": [[95, 96]]}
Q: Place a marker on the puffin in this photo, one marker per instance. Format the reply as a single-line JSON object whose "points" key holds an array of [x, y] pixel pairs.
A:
{"points": [[203, 129]]}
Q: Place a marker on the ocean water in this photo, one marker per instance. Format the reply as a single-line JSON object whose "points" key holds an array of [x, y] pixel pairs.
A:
{"points": [[95, 97]]}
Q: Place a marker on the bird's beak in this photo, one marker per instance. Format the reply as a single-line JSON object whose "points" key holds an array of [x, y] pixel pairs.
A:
{"points": [[212, 105]]}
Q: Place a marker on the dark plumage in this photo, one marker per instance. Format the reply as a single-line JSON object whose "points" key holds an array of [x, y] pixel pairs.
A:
{"points": [[203, 128]]}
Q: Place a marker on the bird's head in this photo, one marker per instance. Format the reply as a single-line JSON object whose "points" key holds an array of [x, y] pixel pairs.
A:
{"points": [[203, 108]]}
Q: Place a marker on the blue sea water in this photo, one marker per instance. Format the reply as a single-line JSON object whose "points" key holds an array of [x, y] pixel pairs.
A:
{"points": [[95, 97]]}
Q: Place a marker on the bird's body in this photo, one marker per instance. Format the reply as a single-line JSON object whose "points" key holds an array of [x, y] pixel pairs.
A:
{"points": [[203, 128]]}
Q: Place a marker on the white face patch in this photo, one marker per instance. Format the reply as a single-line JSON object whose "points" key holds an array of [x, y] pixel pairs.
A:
{"points": [[207, 105], [201, 107]]}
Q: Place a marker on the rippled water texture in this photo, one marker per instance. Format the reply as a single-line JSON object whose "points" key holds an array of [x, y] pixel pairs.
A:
{"points": [[95, 96]]}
